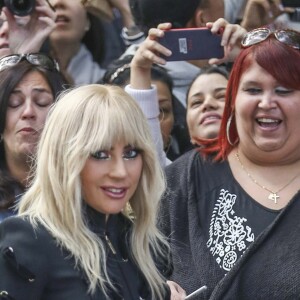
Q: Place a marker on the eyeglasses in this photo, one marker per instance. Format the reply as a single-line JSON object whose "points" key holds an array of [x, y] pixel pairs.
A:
{"points": [[36, 59], [288, 37]]}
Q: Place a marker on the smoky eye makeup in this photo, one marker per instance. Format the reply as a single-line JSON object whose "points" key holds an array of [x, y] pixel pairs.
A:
{"points": [[101, 155], [130, 153]]}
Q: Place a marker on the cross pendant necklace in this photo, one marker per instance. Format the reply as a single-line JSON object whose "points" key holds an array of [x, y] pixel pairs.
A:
{"points": [[273, 196]]}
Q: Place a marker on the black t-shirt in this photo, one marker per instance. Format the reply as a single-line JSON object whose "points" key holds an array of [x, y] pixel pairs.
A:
{"points": [[230, 218]]}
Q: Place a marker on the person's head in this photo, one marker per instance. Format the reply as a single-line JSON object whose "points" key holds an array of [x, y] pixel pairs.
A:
{"points": [[72, 21], [118, 73], [181, 13], [26, 93], [96, 148], [205, 103], [75, 25], [263, 95]]}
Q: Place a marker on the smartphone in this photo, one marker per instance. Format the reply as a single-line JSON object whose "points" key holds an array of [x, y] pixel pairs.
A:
{"points": [[192, 44]]}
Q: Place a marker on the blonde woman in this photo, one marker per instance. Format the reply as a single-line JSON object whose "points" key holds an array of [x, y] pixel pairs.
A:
{"points": [[86, 226]]}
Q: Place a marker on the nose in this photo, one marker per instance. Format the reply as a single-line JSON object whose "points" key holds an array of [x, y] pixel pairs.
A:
{"points": [[210, 103], [118, 168], [267, 101], [29, 110]]}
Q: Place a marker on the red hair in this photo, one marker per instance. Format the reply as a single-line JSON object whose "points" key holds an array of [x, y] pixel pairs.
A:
{"points": [[279, 60]]}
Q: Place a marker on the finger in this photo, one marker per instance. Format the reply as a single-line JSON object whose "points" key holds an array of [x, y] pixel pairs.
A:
{"points": [[155, 33], [46, 11], [232, 35], [216, 26], [156, 56], [9, 16], [49, 22], [164, 26]]}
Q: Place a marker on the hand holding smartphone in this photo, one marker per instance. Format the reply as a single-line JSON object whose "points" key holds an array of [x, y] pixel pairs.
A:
{"points": [[192, 44]]}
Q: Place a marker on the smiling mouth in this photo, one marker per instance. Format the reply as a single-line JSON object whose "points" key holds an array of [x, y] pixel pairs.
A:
{"points": [[268, 123], [210, 119], [116, 193]]}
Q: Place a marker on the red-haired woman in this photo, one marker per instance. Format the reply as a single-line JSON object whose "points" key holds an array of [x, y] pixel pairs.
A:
{"points": [[234, 210]]}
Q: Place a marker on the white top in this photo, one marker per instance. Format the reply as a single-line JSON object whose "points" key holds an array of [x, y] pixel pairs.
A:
{"points": [[148, 102]]}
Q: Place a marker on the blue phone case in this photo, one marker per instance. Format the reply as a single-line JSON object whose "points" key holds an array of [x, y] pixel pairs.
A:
{"points": [[192, 44]]}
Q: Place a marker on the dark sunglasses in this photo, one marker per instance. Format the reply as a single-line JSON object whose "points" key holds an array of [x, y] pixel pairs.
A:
{"points": [[36, 59], [288, 37]]}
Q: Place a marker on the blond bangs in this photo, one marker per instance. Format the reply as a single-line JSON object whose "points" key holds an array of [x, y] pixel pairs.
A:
{"points": [[100, 120]]}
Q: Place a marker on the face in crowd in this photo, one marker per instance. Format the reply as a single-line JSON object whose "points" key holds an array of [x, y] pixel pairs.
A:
{"points": [[27, 110], [205, 105], [166, 115], [71, 23], [110, 177]]}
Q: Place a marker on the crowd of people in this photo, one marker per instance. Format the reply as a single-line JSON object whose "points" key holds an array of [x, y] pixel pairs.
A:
{"points": [[124, 175]]}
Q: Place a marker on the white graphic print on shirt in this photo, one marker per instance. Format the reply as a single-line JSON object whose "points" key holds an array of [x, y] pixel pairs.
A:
{"points": [[229, 235]]}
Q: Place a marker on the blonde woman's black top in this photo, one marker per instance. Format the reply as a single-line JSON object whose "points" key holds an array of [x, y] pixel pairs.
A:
{"points": [[33, 266]]}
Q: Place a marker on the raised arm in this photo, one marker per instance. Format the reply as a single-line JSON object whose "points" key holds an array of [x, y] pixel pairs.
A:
{"points": [[140, 87], [27, 34]]}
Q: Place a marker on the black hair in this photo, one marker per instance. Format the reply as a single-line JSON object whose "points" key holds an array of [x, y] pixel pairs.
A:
{"points": [[118, 73], [208, 70], [94, 38], [149, 13]]}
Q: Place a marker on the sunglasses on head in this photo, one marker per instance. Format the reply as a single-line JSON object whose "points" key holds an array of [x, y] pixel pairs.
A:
{"points": [[288, 37], [36, 59]]}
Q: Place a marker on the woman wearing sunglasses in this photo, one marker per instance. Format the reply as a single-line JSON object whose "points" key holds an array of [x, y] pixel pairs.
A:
{"points": [[28, 86], [232, 212], [86, 227]]}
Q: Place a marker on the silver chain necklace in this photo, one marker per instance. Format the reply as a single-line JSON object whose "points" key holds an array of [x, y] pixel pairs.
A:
{"points": [[273, 196]]}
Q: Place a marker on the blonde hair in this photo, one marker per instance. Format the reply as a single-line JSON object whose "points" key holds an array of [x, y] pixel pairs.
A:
{"points": [[84, 120]]}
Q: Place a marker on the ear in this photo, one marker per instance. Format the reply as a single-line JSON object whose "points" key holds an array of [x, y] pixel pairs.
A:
{"points": [[198, 19]]}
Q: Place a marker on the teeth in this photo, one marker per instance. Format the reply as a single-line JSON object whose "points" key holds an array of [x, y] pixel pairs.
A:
{"points": [[114, 190], [265, 120]]}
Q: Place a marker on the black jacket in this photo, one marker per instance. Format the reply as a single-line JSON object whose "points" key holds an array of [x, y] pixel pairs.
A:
{"points": [[33, 266]]}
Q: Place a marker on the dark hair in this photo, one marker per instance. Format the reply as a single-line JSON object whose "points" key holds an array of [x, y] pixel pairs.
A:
{"points": [[149, 13], [118, 73], [206, 71], [279, 60], [94, 39], [9, 78]]}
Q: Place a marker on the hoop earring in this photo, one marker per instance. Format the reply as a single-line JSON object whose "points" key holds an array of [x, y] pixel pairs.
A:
{"points": [[228, 132]]}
